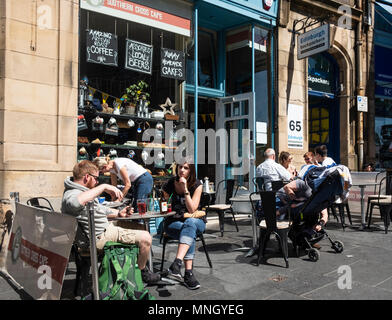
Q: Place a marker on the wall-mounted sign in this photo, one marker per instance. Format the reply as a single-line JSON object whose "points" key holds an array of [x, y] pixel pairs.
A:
{"points": [[138, 56], [313, 41], [101, 47], [362, 103], [295, 128], [172, 64], [127, 10]]}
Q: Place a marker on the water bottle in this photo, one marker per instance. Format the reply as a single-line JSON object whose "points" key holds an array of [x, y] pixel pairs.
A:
{"points": [[206, 185]]}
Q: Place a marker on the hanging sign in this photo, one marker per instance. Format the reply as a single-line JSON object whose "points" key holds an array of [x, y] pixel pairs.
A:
{"points": [[295, 127], [101, 47], [138, 56], [313, 41], [172, 64]]}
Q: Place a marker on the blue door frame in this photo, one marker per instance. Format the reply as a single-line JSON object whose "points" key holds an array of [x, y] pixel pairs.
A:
{"points": [[252, 18]]}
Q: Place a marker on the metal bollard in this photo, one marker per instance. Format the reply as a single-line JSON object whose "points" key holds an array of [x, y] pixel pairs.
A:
{"points": [[93, 249]]}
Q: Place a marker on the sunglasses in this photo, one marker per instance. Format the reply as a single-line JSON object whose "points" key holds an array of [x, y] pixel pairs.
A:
{"points": [[95, 177], [307, 159]]}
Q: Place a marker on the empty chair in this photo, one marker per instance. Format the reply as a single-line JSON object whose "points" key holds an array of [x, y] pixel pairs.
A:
{"points": [[384, 205], [41, 203], [379, 193], [222, 208], [270, 225], [341, 206]]}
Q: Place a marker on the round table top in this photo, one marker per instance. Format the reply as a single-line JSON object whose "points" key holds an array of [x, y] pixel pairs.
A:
{"points": [[147, 215], [245, 198], [365, 184]]}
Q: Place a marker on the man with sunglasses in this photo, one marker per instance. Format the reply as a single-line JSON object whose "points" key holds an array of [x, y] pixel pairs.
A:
{"points": [[82, 188]]}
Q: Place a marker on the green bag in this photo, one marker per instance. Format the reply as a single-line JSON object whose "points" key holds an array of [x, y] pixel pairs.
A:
{"points": [[119, 275]]}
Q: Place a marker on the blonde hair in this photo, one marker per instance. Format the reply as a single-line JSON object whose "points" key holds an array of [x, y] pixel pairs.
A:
{"points": [[100, 162]]}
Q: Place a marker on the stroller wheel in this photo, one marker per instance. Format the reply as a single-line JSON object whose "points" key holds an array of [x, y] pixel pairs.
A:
{"points": [[313, 255], [338, 246]]}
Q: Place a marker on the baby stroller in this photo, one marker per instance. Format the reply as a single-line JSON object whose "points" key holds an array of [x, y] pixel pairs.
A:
{"points": [[305, 216]]}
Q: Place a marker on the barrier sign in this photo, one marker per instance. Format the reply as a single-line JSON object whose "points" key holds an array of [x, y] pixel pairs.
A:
{"points": [[313, 41], [38, 250]]}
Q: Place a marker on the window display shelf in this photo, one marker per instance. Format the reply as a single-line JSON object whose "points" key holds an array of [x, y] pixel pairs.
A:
{"points": [[123, 116]]}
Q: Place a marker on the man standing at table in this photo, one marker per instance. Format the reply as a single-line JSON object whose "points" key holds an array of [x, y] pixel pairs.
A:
{"points": [[82, 188], [270, 170]]}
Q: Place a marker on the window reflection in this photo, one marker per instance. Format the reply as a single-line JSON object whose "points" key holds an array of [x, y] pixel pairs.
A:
{"points": [[207, 61]]}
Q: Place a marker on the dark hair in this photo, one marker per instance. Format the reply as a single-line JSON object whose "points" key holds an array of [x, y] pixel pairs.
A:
{"points": [[283, 156], [321, 150], [192, 174]]}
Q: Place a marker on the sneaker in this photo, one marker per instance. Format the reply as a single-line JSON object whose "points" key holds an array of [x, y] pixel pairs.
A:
{"points": [[190, 281], [150, 277], [175, 271]]}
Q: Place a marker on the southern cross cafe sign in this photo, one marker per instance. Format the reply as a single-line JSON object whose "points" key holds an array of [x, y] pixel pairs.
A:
{"points": [[313, 41]]}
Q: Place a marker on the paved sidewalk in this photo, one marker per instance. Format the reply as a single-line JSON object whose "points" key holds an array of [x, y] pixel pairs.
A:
{"points": [[233, 276]]}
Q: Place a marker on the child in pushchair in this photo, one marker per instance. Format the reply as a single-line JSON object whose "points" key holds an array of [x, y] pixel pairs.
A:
{"points": [[305, 208]]}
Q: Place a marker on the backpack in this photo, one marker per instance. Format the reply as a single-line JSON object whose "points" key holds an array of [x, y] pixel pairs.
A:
{"points": [[119, 275], [314, 176]]}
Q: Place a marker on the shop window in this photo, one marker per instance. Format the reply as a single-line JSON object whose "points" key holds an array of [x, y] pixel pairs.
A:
{"points": [[383, 132], [207, 60], [319, 125], [120, 134]]}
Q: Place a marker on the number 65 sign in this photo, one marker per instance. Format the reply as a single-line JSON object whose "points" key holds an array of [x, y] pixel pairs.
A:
{"points": [[295, 131]]}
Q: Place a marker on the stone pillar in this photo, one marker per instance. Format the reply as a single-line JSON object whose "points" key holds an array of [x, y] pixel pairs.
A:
{"points": [[38, 95]]}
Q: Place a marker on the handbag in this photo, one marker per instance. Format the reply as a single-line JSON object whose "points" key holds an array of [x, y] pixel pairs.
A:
{"points": [[196, 214]]}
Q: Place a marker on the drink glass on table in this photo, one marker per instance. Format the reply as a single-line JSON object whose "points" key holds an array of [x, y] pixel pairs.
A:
{"points": [[141, 206]]}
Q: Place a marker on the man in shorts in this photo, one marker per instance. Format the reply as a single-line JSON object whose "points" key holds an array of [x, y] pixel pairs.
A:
{"points": [[82, 188]]}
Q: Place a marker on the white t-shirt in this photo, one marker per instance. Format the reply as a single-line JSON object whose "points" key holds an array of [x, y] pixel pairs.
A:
{"points": [[134, 170], [328, 161], [272, 171]]}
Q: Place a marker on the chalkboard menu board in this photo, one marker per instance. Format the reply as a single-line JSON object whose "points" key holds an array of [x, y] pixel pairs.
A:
{"points": [[138, 56], [172, 64], [102, 47]]}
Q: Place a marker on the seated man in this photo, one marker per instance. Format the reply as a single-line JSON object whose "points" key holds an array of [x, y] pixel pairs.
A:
{"points": [[269, 170], [81, 189], [293, 195]]}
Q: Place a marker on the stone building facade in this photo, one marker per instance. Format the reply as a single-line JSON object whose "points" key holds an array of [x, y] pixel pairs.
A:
{"points": [[351, 44], [38, 95]]}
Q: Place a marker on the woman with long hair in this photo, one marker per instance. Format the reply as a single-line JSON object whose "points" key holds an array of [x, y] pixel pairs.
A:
{"points": [[286, 159], [184, 192]]}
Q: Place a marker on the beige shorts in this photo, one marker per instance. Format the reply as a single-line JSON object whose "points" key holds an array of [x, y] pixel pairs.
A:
{"points": [[118, 234]]}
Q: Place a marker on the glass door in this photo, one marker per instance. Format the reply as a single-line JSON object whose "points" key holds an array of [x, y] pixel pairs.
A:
{"points": [[234, 130]]}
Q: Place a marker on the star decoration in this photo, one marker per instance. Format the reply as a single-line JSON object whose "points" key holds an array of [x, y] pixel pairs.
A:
{"points": [[168, 104]]}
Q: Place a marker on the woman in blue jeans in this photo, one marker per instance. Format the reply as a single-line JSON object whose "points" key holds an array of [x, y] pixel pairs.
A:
{"points": [[185, 191], [130, 173]]}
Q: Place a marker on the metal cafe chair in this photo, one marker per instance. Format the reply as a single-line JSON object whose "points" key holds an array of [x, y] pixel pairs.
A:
{"points": [[269, 225], [384, 205], [222, 208]]}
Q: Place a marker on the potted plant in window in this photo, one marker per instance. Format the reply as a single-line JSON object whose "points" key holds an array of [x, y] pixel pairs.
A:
{"points": [[134, 93]]}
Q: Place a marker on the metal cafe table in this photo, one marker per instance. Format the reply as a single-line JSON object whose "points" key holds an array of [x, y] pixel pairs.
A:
{"points": [[242, 204], [146, 221], [362, 186]]}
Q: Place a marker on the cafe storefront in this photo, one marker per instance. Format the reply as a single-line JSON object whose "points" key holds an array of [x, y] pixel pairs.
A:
{"points": [[225, 47]]}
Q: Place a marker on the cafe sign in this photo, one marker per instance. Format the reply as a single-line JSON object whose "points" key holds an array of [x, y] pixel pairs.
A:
{"points": [[138, 13], [313, 41]]}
